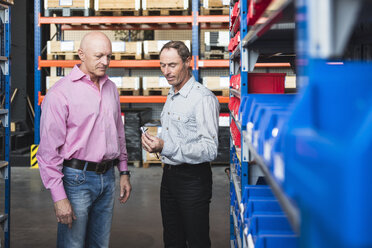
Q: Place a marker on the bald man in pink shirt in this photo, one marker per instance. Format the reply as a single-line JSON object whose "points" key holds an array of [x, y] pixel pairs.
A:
{"points": [[82, 140]]}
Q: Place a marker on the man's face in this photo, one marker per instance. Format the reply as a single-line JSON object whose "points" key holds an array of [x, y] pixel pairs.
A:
{"points": [[96, 56], [175, 71]]}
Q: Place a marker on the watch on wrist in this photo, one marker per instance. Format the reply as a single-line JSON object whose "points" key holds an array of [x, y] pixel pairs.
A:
{"points": [[125, 173]]}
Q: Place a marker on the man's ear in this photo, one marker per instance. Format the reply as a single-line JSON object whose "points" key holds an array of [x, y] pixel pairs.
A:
{"points": [[81, 55], [187, 62]]}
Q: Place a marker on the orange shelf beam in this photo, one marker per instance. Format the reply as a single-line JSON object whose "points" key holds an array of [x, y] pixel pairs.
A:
{"points": [[145, 99], [114, 19], [131, 19]]}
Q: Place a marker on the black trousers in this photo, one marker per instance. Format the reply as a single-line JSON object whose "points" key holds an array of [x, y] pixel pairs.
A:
{"points": [[185, 195]]}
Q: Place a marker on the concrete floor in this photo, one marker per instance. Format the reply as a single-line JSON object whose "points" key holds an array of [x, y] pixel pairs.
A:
{"points": [[136, 224]]}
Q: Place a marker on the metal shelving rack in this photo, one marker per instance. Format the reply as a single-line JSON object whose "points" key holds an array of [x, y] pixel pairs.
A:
{"points": [[194, 22], [5, 115], [255, 41]]}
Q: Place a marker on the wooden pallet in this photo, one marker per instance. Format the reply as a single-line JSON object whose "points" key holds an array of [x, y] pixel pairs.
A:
{"points": [[151, 55], [136, 164], [126, 56], [216, 55], [221, 92], [156, 92], [68, 12], [149, 163], [214, 11], [128, 92], [63, 56], [117, 12], [165, 12]]}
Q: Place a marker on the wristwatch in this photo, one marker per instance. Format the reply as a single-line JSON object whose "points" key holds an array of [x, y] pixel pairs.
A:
{"points": [[125, 173]]}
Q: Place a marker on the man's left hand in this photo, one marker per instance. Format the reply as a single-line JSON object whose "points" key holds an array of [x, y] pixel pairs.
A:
{"points": [[125, 188]]}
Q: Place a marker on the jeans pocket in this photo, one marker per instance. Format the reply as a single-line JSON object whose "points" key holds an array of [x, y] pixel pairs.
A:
{"points": [[73, 177]]}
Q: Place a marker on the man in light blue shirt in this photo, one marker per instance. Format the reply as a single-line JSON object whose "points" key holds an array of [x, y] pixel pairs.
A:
{"points": [[187, 143]]}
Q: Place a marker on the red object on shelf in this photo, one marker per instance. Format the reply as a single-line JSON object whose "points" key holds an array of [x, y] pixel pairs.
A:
{"points": [[236, 26], [256, 9], [269, 83], [234, 14], [234, 42], [235, 133], [235, 82]]}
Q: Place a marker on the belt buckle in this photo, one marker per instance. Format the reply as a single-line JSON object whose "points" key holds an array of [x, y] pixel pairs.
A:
{"points": [[101, 168]]}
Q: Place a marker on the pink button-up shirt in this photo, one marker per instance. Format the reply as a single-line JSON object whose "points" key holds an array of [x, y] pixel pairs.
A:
{"points": [[79, 121]]}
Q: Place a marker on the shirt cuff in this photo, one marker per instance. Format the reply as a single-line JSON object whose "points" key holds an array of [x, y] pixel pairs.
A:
{"points": [[58, 192], [123, 166], [167, 149]]}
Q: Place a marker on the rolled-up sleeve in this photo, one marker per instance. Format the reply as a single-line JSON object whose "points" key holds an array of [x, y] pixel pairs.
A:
{"points": [[205, 149], [123, 157], [52, 137]]}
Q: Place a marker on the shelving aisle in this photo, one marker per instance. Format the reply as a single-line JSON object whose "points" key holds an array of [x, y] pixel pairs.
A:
{"points": [[5, 7], [194, 22], [300, 163]]}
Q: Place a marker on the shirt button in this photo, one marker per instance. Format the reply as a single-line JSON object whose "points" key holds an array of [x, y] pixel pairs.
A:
{"points": [[168, 113], [178, 118], [167, 128]]}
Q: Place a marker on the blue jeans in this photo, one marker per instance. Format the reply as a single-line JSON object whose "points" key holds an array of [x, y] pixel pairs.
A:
{"points": [[92, 199]]}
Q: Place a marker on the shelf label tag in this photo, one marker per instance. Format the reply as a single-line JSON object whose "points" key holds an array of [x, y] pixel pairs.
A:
{"points": [[161, 43], [65, 2], [118, 46]]}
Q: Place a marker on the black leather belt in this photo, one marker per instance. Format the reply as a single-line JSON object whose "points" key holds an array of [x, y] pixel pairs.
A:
{"points": [[99, 168], [169, 166]]}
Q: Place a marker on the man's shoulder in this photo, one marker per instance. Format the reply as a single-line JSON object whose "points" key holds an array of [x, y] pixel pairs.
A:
{"points": [[201, 90]]}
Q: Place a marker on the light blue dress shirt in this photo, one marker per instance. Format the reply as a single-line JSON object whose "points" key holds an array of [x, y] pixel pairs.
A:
{"points": [[190, 125]]}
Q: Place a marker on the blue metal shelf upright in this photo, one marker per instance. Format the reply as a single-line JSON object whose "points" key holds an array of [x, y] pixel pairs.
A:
{"points": [[312, 148], [5, 117]]}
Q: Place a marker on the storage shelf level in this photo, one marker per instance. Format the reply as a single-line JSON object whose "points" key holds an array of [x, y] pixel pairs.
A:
{"points": [[291, 211]]}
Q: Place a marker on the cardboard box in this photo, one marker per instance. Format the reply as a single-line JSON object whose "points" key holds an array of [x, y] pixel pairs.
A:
{"points": [[154, 46], [154, 82], [50, 81], [148, 157], [86, 4], [165, 4], [215, 3], [127, 47], [216, 82], [117, 4], [127, 82], [66, 46]]}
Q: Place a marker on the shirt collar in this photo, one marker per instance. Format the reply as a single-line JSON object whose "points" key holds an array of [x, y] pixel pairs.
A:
{"points": [[185, 90], [76, 74]]}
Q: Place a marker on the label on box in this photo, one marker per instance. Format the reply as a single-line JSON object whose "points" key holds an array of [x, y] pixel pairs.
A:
{"points": [[48, 47], [139, 47], [267, 150], [185, 4], [144, 83], [137, 5], [205, 3], [226, 2], [67, 46], [163, 82], [161, 43], [278, 167], [223, 38], [224, 82], [224, 121], [146, 47], [118, 81], [87, 4], [65, 2], [96, 4], [118, 46], [201, 63], [136, 84], [207, 38], [144, 4]]}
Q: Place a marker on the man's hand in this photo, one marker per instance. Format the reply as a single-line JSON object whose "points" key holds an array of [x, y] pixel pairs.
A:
{"points": [[64, 213], [125, 188], [151, 143]]}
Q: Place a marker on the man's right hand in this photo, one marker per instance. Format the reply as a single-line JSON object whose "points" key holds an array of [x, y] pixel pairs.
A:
{"points": [[64, 213]]}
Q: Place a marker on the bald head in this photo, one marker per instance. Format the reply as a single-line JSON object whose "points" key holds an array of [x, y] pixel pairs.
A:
{"points": [[92, 38], [95, 54]]}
